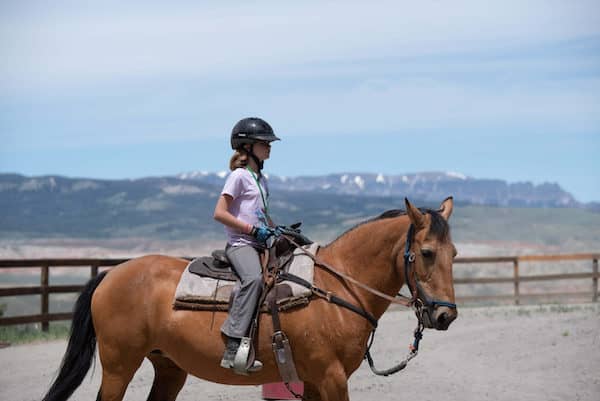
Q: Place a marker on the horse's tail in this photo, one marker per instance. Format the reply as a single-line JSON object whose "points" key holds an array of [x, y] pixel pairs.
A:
{"points": [[81, 348]]}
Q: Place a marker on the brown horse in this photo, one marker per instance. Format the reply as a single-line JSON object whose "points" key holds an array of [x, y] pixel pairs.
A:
{"points": [[128, 312]]}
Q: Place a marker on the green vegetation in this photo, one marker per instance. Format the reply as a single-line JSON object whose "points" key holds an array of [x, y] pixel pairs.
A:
{"points": [[105, 209], [27, 333], [524, 312]]}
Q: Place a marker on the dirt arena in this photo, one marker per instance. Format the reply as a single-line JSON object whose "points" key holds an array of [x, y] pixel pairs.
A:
{"points": [[500, 353]]}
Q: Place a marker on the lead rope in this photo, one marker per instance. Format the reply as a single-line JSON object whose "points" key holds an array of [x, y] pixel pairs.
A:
{"points": [[413, 349], [415, 303]]}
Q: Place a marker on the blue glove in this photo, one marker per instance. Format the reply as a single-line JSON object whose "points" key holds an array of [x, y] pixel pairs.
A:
{"points": [[262, 233]]}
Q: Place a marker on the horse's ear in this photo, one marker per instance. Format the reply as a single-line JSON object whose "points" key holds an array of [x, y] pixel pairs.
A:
{"points": [[415, 215], [446, 208]]}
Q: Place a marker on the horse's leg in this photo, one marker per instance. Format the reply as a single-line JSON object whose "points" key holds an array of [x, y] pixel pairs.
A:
{"points": [[168, 379], [118, 369], [333, 386], [311, 392]]}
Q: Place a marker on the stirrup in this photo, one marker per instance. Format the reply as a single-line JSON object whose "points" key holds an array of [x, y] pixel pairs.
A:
{"points": [[227, 362], [244, 362]]}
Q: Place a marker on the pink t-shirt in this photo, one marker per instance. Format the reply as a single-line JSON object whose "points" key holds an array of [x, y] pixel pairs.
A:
{"points": [[247, 204]]}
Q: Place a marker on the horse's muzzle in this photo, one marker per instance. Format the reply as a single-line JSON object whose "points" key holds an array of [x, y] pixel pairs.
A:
{"points": [[439, 317]]}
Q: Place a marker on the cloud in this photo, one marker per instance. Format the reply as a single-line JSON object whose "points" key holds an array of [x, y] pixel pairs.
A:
{"points": [[78, 44], [103, 72]]}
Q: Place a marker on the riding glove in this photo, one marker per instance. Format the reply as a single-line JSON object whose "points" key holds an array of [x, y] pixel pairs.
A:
{"points": [[262, 233]]}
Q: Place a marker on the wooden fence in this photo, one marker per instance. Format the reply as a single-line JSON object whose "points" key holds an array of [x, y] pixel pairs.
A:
{"points": [[516, 262], [517, 278], [45, 289]]}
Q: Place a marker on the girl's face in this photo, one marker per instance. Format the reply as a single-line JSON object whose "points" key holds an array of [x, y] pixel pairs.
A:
{"points": [[262, 150]]}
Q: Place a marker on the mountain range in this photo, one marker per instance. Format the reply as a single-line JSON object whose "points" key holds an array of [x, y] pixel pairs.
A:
{"points": [[426, 186], [174, 207]]}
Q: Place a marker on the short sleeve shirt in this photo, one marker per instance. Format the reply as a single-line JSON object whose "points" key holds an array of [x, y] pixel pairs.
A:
{"points": [[247, 204]]}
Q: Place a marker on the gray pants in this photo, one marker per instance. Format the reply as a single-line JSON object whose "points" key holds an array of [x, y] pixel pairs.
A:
{"points": [[246, 263]]}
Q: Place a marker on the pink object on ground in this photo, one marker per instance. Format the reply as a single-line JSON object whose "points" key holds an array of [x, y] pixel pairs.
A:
{"points": [[278, 391]]}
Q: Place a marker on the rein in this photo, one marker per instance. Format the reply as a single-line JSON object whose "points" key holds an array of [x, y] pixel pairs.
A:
{"points": [[417, 302], [344, 276]]}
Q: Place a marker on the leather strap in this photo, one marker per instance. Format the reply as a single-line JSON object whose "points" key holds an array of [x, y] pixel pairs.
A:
{"points": [[329, 297], [325, 266], [275, 312]]}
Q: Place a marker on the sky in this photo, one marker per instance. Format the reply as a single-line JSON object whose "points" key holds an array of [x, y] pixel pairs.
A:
{"points": [[507, 90]]}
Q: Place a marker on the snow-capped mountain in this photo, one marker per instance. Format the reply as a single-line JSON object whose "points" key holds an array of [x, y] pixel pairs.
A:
{"points": [[182, 206], [427, 186]]}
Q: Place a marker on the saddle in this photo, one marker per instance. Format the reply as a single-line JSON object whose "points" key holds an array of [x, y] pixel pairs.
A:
{"points": [[216, 266], [278, 296]]}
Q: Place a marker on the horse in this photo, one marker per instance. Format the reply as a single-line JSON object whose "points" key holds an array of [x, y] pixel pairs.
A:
{"points": [[127, 313]]}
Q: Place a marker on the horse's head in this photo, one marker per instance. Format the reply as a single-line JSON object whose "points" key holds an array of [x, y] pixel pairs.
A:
{"points": [[428, 264]]}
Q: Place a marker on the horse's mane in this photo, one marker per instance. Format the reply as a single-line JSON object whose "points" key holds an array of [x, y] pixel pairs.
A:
{"points": [[439, 226]]}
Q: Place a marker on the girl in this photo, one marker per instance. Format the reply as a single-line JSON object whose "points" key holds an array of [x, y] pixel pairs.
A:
{"points": [[243, 209]]}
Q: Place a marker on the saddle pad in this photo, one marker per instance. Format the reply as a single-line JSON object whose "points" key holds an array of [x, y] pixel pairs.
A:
{"points": [[194, 289]]}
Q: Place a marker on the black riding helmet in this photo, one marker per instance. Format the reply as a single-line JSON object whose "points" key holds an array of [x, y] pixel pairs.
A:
{"points": [[251, 130]]}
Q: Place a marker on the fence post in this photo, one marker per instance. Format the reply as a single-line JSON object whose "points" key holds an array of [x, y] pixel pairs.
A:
{"points": [[516, 278], [94, 271], [595, 281], [44, 287]]}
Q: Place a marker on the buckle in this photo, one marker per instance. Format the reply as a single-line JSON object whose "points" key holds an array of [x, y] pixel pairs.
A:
{"points": [[321, 293]]}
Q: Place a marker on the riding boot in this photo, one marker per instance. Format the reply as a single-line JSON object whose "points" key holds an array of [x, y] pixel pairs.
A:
{"points": [[231, 349]]}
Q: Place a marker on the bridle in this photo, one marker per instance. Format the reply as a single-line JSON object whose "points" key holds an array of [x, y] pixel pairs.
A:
{"points": [[420, 302], [416, 290], [419, 296]]}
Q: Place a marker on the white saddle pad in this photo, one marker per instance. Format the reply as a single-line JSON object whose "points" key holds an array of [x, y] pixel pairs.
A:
{"points": [[193, 288]]}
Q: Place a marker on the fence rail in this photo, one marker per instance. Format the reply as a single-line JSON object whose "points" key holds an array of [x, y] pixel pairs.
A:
{"points": [[517, 278], [45, 289]]}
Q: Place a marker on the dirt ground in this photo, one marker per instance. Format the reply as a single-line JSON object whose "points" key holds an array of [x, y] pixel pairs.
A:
{"points": [[498, 353]]}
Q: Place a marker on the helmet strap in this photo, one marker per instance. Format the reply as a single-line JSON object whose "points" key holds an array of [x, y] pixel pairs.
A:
{"points": [[259, 163]]}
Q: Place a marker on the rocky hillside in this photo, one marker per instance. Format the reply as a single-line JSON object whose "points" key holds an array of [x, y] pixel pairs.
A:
{"points": [[179, 206]]}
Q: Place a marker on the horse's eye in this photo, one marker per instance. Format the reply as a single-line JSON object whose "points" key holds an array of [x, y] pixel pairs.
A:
{"points": [[427, 253]]}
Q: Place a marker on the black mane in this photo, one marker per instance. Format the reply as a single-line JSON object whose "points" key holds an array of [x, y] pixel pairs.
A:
{"points": [[439, 226]]}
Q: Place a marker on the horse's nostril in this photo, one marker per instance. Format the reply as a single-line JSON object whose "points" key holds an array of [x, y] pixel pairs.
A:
{"points": [[443, 320]]}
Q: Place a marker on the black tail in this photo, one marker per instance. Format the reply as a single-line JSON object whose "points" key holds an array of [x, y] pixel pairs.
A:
{"points": [[81, 348]]}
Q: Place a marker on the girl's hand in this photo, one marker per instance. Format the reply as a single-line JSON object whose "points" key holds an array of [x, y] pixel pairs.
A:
{"points": [[262, 233]]}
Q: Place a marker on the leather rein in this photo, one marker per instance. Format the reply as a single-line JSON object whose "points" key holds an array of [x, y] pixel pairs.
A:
{"points": [[418, 301]]}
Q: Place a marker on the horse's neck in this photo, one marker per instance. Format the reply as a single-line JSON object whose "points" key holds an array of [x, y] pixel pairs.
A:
{"points": [[367, 253]]}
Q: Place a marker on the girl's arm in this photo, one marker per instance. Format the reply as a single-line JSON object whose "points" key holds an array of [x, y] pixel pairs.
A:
{"points": [[223, 216]]}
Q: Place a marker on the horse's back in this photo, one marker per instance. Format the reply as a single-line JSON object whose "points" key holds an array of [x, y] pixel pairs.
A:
{"points": [[128, 297], [140, 274]]}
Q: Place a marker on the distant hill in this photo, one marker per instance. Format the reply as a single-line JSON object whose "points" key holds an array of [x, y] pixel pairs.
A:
{"points": [[427, 186], [182, 206]]}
